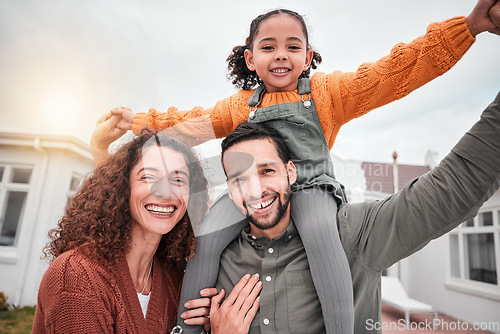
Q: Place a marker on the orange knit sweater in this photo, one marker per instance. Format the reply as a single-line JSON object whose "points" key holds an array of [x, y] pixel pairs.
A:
{"points": [[79, 295], [339, 97]]}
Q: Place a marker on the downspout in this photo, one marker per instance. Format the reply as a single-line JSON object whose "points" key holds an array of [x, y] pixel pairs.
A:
{"points": [[395, 177], [38, 147], [395, 172]]}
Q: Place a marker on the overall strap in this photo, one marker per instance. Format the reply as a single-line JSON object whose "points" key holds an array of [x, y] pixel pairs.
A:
{"points": [[304, 86], [254, 101]]}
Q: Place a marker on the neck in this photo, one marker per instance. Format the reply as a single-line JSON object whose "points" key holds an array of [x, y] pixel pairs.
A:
{"points": [[139, 257], [274, 90]]}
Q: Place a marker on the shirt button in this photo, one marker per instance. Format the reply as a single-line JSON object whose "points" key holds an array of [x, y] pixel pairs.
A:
{"points": [[266, 321], [268, 278], [270, 250]]}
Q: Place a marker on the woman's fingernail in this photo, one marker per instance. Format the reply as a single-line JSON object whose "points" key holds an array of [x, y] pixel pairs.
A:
{"points": [[183, 315], [256, 277], [247, 276], [188, 304], [187, 321]]}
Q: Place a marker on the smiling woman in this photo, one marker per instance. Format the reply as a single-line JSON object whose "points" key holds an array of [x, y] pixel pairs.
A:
{"points": [[119, 252], [159, 192]]}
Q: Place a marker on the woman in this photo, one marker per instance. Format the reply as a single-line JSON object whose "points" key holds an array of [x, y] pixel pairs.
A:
{"points": [[118, 253]]}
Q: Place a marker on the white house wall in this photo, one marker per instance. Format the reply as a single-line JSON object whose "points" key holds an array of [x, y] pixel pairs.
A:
{"points": [[62, 166], [21, 266], [12, 259], [427, 276]]}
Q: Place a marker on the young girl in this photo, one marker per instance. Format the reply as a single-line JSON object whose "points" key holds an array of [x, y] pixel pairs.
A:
{"points": [[308, 113]]}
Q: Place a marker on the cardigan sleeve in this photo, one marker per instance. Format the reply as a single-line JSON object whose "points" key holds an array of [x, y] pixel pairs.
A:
{"points": [[198, 124], [69, 303], [407, 67]]}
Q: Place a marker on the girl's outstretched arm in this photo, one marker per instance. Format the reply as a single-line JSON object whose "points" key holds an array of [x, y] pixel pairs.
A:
{"points": [[343, 96], [198, 124]]}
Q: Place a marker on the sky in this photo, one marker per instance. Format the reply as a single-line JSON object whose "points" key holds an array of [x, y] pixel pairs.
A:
{"points": [[64, 63]]}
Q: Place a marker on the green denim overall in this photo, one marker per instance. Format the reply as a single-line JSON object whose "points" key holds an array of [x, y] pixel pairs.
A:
{"points": [[316, 195], [313, 210], [298, 123]]}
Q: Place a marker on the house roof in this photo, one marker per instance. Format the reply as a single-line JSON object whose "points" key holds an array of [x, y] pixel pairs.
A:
{"points": [[380, 176], [46, 142]]}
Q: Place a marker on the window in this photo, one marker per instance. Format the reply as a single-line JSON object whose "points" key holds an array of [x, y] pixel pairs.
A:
{"points": [[74, 185], [474, 251], [14, 187]]}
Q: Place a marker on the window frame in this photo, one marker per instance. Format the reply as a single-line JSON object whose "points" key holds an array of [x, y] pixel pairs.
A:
{"points": [[9, 253], [463, 284]]}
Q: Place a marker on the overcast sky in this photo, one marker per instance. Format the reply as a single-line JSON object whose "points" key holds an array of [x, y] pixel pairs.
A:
{"points": [[64, 63]]}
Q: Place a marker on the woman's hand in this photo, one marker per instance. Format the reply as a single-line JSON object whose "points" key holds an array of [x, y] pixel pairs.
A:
{"points": [[237, 312], [109, 128], [485, 17], [199, 309]]}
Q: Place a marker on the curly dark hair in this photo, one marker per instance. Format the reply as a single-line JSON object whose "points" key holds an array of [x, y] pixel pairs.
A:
{"points": [[240, 75], [98, 218]]}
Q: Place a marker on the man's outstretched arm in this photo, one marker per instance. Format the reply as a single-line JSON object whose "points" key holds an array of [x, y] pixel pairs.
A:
{"points": [[383, 232]]}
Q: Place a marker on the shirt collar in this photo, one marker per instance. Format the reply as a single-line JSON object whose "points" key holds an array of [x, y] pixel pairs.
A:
{"points": [[259, 242]]}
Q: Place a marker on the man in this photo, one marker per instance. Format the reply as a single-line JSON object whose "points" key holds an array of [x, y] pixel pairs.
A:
{"points": [[374, 235]]}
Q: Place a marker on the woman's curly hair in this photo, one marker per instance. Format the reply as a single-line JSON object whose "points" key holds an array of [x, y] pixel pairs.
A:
{"points": [[98, 218], [240, 75]]}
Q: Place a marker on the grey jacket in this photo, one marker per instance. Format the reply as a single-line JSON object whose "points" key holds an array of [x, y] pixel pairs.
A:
{"points": [[377, 234]]}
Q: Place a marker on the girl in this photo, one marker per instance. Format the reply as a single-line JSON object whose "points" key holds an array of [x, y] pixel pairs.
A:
{"points": [[308, 113]]}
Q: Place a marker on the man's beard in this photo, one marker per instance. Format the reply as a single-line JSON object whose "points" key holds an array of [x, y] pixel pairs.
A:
{"points": [[282, 206]]}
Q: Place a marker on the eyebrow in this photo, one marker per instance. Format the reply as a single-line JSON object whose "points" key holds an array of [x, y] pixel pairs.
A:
{"points": [[260, 165], [177, 171], [272, 39]]}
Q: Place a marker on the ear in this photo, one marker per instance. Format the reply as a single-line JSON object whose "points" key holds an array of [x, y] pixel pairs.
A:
{"points": [[292, 172], [309, 59], [249, 59], [229, 193]]}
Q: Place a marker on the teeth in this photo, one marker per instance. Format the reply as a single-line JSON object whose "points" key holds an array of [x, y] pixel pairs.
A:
{"points": [[160, 209], [262, 204], [280, 70]]}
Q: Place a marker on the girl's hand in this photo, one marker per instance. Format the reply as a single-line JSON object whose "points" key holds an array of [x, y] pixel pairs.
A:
{"points": [[126, 118], [237, 312], [109, 128], [485, 17], [199, 309]]}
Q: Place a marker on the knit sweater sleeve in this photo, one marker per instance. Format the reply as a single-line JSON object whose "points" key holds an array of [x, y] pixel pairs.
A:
{"points": [[198, 124], [68, 301], [347, 95]]}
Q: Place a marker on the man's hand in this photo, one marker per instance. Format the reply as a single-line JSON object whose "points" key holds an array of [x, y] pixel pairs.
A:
{"points": [[494, 14], [485, 17], [199, 309], [110, 127], [237, 312]]}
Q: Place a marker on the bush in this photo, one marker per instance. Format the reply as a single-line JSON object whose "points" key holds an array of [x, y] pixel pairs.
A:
{"points": [[3, 301], [18, 321]]}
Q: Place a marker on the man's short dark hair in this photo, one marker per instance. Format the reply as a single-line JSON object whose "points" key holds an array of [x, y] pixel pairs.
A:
{"points": [[251, 131]]}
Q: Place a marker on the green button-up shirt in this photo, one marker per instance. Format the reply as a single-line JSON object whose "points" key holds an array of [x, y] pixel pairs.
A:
{"points": [[288, 300]]}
